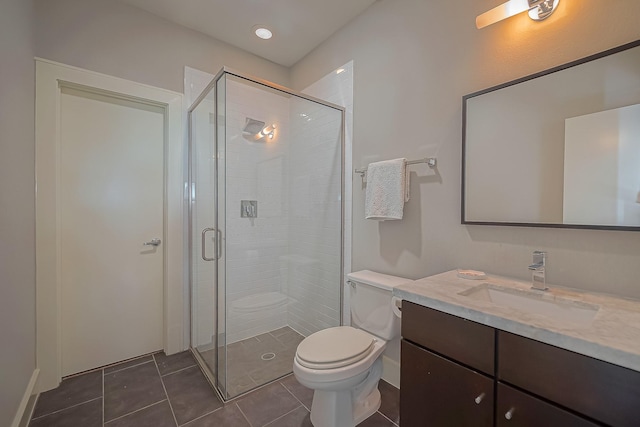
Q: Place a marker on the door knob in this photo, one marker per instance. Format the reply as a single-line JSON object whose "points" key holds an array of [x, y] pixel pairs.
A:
{"points": [[153, 242]]}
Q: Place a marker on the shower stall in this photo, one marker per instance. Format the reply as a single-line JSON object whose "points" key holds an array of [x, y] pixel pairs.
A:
{"points": [[266, 227]]}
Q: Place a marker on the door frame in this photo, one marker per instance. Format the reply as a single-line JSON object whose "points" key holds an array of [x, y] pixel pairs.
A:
{"points": [[50, 78]]}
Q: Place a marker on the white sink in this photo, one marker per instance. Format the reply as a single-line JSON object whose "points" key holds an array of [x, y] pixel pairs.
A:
{"points": [[562, 310]]}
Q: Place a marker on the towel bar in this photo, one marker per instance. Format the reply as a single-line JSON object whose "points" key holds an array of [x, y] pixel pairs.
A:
{"points": [[430, 161]]}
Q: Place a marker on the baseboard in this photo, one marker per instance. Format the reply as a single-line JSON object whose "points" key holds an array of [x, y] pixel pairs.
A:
{"points": [[27, 404], [391, 371]]}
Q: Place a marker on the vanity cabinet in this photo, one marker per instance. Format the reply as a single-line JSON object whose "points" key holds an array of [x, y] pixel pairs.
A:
{"points": [[469, 343], [438, 392], [447, 362], [447, 366], [602, 391], [517, 409]]}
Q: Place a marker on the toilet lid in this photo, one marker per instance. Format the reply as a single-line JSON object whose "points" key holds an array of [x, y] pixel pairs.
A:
{"points": [[334, 348]]}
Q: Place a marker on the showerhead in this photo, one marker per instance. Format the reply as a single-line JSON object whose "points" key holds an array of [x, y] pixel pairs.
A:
{"points": [[253, 126]]}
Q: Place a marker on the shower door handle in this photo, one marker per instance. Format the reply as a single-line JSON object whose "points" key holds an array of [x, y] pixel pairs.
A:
{"points": [[204, 245]]}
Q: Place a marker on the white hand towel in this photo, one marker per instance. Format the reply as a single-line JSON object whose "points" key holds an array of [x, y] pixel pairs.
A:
{"points": [[387, 189]]}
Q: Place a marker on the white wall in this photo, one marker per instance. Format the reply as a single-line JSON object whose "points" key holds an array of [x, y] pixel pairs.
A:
{"points": [[17, 198], [414, 60], [123, 41]]}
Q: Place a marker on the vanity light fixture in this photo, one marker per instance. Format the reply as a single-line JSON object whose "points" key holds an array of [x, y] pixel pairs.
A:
{"points": [[538, 10], [262, 32]]}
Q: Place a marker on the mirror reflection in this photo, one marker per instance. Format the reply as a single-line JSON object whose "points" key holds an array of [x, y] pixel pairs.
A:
{"points": [[560, 148]]}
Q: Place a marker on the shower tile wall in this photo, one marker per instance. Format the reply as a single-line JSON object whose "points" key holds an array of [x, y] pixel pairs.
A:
{"points": [[255, 247], [337, 87], [314, 271], [315, 219]]}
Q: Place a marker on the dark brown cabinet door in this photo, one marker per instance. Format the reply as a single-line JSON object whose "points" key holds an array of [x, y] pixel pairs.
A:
{"points": [[518, 409], [437, 392], [599, 390], [467, 342]]}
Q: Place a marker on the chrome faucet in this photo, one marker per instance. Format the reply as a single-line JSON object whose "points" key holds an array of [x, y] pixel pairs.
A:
{"points": [[538, 280]]}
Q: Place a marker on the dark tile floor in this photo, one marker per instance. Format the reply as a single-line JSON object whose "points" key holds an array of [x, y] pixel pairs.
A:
{"points": [[255, 361], [159, 391]]}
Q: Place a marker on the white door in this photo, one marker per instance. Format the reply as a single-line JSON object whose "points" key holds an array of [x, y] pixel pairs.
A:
{"points": [[111, 201]]}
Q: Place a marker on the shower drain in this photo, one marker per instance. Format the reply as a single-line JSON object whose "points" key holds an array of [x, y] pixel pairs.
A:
{"points": [[268, 356]]}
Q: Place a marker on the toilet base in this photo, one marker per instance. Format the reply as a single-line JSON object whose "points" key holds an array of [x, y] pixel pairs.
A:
{"points": [[335, 409], [370, 405]]}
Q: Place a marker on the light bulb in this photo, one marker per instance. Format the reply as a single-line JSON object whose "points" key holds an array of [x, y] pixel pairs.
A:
{"points": [[504, 11], [263, 33]]}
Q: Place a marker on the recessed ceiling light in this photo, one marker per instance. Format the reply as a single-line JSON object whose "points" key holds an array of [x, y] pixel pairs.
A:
{"points": [[262, 32]]}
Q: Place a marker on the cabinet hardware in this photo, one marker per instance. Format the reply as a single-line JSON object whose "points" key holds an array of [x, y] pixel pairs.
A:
{"points": [[479, 398], [509, 414]]}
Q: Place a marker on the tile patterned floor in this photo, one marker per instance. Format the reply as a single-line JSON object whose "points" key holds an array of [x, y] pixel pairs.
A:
{"points": [[247, 370], [170, 391]]}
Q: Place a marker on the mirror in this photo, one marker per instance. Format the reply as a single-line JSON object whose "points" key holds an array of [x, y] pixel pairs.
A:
{"points": [[560, 148]]}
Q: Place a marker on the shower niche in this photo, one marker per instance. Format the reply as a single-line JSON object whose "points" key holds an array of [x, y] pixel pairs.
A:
{"points": [[262, 280]]}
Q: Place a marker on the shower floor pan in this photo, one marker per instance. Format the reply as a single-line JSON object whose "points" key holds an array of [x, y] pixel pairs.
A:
{"points": [[258, 360]]}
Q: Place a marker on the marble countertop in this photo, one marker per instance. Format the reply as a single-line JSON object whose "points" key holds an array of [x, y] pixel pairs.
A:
{"points": [[612, 336]]}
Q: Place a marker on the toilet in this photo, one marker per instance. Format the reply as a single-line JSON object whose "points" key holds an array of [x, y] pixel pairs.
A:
{"points": [[343, 364]]}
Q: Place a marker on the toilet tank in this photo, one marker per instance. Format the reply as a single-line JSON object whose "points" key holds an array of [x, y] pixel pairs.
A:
{"points": [[371, 303]]}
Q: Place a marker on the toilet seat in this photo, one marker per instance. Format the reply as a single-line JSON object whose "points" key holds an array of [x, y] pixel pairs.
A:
{"points": [[334, 348]]}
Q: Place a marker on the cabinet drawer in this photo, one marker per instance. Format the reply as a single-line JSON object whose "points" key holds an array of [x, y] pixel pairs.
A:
{"points": [[527, 411], [467, 342], [600, 390], [441, 393]]}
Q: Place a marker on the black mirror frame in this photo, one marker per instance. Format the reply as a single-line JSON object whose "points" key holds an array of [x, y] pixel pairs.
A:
{"points": [[571, 64]]}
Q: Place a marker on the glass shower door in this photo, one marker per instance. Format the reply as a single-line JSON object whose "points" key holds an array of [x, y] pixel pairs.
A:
{"points": [[202, 226], [256, 345]]}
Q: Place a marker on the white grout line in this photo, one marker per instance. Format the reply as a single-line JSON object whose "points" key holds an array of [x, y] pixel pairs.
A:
{"points": [[165, 391], [64, 409], [390, 420], [282, 416], [296, 397], [204, 415], [245, 417], [137, 410], [179, 370]]}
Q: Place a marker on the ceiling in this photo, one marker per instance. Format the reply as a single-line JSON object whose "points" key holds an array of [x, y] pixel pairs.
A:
{"points": [[298, 26]]}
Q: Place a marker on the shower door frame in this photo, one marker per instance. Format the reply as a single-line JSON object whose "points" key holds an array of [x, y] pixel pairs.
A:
{"points": [[214, 377]]}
